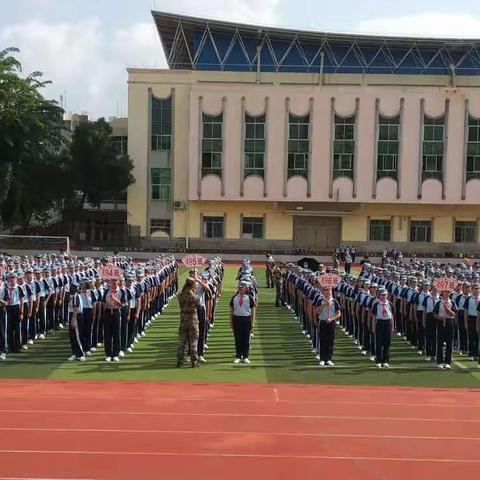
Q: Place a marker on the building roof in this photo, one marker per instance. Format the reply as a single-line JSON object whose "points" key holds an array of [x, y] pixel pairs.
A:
{"points": [[204, 44]]}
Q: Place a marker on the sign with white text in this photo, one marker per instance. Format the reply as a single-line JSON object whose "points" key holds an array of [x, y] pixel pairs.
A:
{"points": [[194, 260], [111, 272], [445, 283], [329, 280]]}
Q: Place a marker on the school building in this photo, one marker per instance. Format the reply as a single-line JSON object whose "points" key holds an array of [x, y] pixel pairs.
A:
{"points": [[262, 138]]}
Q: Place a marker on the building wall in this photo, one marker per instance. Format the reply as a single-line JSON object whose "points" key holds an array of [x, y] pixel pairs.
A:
{"points": [[216, 91]]}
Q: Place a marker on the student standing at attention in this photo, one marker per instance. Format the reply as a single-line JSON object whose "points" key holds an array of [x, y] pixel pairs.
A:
{"points": [[242, 319]]}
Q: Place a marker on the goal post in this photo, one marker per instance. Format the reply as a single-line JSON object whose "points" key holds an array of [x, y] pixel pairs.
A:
{"points": [[23, 243]]}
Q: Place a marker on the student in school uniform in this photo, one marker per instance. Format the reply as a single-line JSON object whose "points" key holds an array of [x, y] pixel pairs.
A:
{"points": [[470, 306], [3, 320], [26, 307], [382, 315], [430, 324], [113, 300], [444, 312], [14, 314], [88, 302], [327, 315], [242, 318], [75, 323]]}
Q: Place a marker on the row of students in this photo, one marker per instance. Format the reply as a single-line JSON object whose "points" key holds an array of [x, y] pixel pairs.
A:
{"points": [[25, 316]]}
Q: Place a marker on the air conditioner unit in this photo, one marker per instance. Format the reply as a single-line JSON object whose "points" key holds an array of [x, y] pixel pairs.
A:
{"points": [[179, 205]]}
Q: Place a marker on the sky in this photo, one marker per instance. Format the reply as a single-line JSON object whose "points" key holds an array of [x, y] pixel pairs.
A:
{"points": [[85, 46]]}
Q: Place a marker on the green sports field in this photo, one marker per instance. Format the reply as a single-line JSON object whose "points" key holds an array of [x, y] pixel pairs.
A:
{"points": [[280, 353]]}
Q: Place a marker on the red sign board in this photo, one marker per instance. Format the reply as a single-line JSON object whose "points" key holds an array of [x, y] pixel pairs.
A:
{"points": [[111, 272], [194, 260], [445, 283], [329, 280]]}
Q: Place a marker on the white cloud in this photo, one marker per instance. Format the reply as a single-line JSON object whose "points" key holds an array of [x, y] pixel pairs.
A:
{"points": [[444, 25], [88, 58], [249, 11]]}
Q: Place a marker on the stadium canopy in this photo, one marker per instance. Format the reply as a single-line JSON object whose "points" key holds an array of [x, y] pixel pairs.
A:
{"points": [[203, 44]]}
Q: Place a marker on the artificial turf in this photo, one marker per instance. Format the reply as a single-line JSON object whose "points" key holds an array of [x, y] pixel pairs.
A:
{"points": [[280, 353]]}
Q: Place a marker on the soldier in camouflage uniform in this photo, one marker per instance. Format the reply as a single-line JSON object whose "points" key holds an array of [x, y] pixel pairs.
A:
{"points": [[188, 331], [278, 282]]}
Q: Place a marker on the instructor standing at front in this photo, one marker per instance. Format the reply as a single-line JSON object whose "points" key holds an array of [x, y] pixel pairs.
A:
{"points": [[242, 320]]}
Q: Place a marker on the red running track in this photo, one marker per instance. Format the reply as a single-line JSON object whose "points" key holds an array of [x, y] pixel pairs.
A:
{"points": [[128, 430]]}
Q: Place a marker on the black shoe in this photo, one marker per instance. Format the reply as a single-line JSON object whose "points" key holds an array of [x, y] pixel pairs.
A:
{"points": [[179, 364], [195, 364]]}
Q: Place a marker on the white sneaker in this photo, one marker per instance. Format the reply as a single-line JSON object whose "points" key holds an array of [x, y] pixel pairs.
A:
{"points": [[82, 359], [121, 354], [470, 359], [420, 352], [142, 334], [322, 363], [386, 365], [3, 356], [135, 340], [317, 357], [115, 359], [355, 342], [71, 358], [364, 352], [60, 325], [205, 347], [405, 338], [252, 335], [99, 344], [304, 332], [440, 365], [379, 365], [93, 349], [88, 354], [447, 366], [308, 335], [246, 361], [36, 336], [371, 358], [41, 336], [236, 361], [360, 347], [129, 349], [138, 336], [24, 347], [428, 359], [314, 350], [108, 359], [399, 334], [201, 359], [30, 342], [478, 366], [330, 363]]}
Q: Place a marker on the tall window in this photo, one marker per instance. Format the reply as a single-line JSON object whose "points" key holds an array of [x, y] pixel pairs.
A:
{"points": [[254, 145], [158, 225], [380, 230], [161, 123], [213, 227], [252, 227], [473, 148], [120, 145], [420, 231], [388, 146], [161, 181], [344, 146], [298, 145], [432, 148], [212, 144], [465, 232]]}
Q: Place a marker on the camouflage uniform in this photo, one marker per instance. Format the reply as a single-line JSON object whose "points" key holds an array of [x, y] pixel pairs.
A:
{"points": [[188, 331], [278, 281]]}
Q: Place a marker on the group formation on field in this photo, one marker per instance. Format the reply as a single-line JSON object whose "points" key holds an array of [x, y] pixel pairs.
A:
{"points": [[400, 297], [198, 300], [43, 294]]}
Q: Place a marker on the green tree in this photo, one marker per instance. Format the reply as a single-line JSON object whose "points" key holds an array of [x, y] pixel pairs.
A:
{"points": [[96, 171], [32, 151]]}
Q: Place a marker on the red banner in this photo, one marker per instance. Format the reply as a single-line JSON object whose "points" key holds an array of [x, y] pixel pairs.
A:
{"points": [[445, 283], [329, 280], [111, 272], [194, 260]]}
